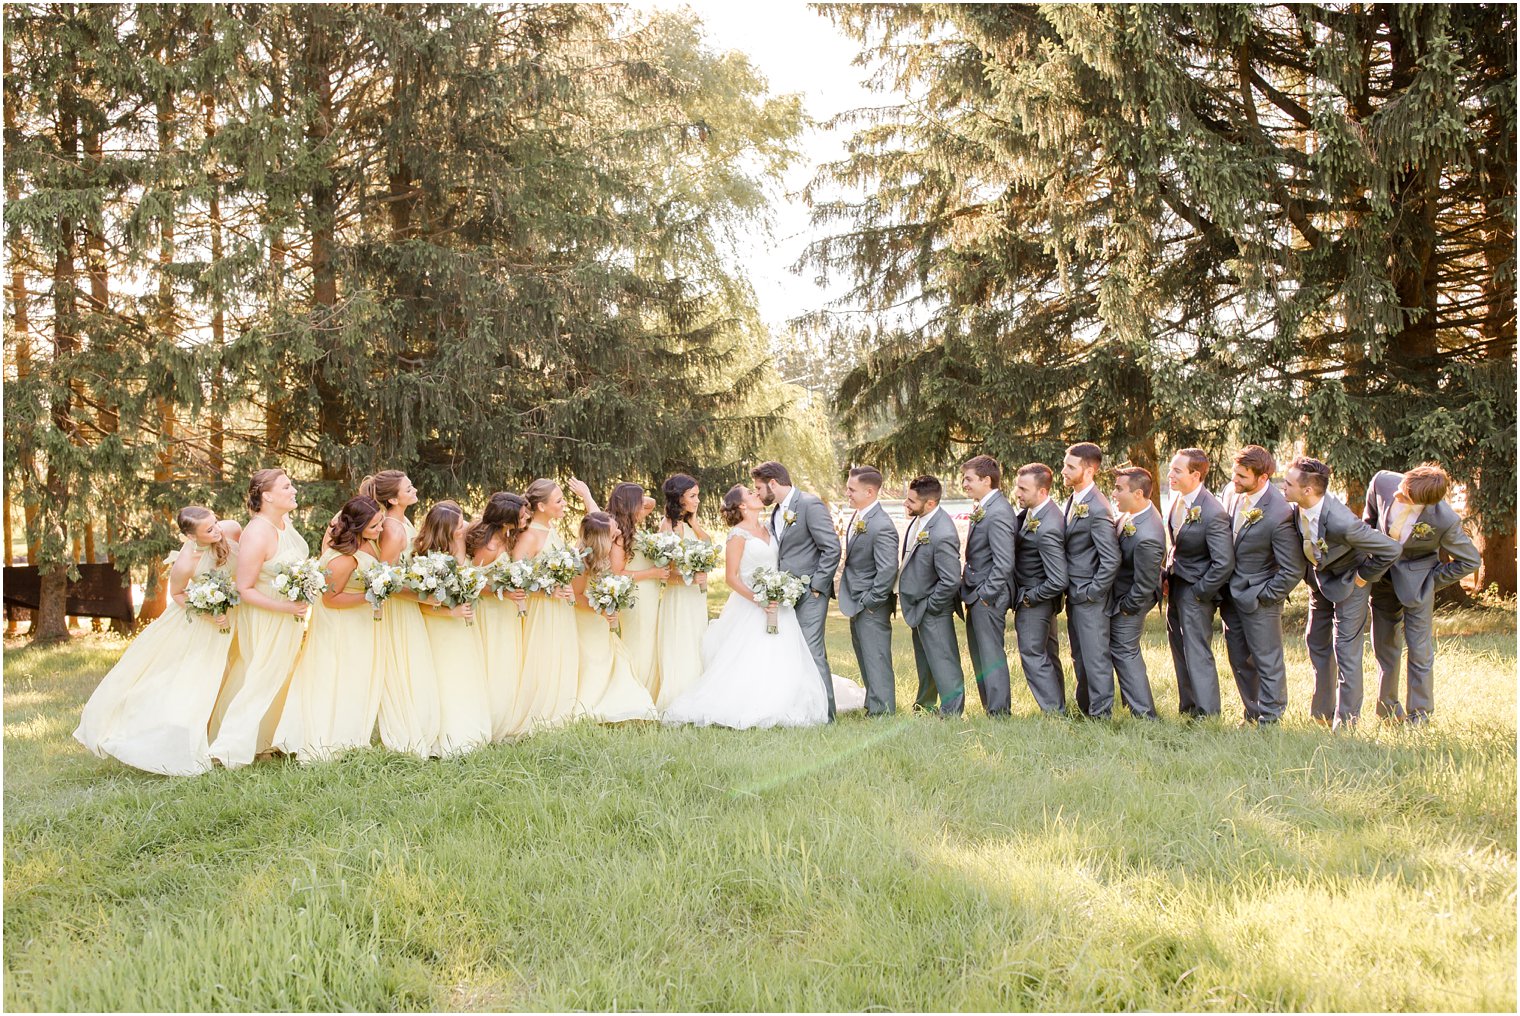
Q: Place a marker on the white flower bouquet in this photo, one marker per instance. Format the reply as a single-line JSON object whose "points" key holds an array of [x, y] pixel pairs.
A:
{"points": [[610, 595], [556, 568], [775, 588], [380, 580], [211, 595], [505, 577], [697, 558], [660, 548], [300, 582]]}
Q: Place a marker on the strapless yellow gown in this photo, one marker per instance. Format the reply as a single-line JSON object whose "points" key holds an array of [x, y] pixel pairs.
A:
{"points": [[550, 657], [335, 690], [268, 642], [640, 624], [408, 686], [150, 710], [501, 638], [608, 691]]}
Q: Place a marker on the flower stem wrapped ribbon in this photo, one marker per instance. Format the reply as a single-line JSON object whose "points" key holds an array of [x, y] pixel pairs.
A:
{"points": [[609, 595], [211, 595], [300, 582], [660, 548], [775, 588], [505, 577], [380, 581], [697, 558]]}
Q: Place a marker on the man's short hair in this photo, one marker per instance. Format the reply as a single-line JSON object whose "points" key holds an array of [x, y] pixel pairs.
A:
{"points": [[868, 475], [1197, 460], [1043, 477], [1089, 453], [986, 467], [1426, 484], [1140, 480], [1257, 459], [927, 487], [772, 472], [1315, 474]]}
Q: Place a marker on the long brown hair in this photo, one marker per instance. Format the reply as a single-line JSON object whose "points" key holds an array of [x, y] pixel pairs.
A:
{"points": [[503, 514], [343, 533], [193, 515], [437, 529], [675, 488], [596, 536], [623, 504]]}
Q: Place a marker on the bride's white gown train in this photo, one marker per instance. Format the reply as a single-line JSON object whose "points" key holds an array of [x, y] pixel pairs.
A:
{"points": [[751, 678]]}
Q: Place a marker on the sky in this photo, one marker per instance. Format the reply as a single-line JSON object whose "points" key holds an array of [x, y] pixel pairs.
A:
{"points": [[799, 51]]}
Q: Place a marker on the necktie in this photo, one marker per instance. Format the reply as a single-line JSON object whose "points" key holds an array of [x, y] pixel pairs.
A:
{"points": [[1396, 530], [1177, 505], [775, 512], [1070, 504], [908, 539], [1120, 522], [1242, 506], [1311, 550]]}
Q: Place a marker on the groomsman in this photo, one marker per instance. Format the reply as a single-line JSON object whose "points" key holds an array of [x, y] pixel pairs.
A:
{"points": [[1269, 562], [1345, 555], [1092, 561], [1198, 564], [1137, 585], [1411, 510], [984, 583], [927, 586], [806, 545], [865, 587], [1039, 579]]}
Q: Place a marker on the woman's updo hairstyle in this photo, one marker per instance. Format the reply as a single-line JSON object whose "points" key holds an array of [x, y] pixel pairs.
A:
{"points": [[675, 488], [344, 533], [381, 487], [503, 514], [733, 504], [193, 515], [260, 482], [537, 493]]}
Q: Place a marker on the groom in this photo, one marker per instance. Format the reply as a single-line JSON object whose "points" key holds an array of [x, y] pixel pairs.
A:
{"points": [[806, 544]]}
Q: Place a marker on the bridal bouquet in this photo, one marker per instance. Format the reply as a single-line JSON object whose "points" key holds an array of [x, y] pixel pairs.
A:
{"points": [[212, 595], [469, 582], [697, 557], [512, 577], [300, 582], [380, 580], [660, 548], [610, 594], [775, 588], [439, 577], [556, 568]]}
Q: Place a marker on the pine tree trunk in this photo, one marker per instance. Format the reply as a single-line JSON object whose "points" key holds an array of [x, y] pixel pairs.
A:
{"points": [[331, 413], [218, 436]]}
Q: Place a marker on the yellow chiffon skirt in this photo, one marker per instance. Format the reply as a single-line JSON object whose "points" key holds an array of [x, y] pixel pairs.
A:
{"points": [[501, 636], [551, 660], [258, 676], [408, 686], [608, 691], [683, 619], [335, 691], [459, 661], [640, 624]]}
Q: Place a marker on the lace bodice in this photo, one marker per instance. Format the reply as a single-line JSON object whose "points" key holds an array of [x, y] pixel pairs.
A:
{"points": [[758, 552]]}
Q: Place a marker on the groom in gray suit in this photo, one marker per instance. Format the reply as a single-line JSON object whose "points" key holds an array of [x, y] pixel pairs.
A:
{"points": [[927, 587], [806, 545], [865, 588], [1269, 562], [1411, 509], [984, 583], [1092, 562], [1345, 556]]}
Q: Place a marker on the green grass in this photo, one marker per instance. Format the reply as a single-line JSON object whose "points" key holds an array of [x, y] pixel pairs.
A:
{"points": [[905, 863]]}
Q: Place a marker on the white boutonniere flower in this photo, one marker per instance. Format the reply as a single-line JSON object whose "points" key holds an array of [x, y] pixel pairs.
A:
{"points": [[922, 539], [860, 527], [1422, 531], [788, 517], [1193, 514], [1129, 529], [1032, 526], [1251, 515], [1080, 511]]}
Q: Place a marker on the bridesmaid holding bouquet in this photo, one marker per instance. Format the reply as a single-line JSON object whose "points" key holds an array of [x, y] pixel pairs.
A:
{"points": [[499, 620], [464, 711], [683, 607], [608, 691], [630, 507]]}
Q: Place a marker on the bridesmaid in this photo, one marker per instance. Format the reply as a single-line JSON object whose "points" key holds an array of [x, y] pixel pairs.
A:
{"points": [[408, 686], [630, 507], [608, 692], [268, 642], [459, 661], [550, 652], [683, 608], [498, 620], [150, 710], [335, 690]]}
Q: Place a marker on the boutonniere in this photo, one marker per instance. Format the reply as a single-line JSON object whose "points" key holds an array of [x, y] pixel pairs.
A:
{"points": [[1193, 514], [1032, 526], [978, 515], [788, 517], [1129, 529], [1080, 511], [1251, 515], [1321, 546], [922, 539], [1422, 531], [860, 527]]}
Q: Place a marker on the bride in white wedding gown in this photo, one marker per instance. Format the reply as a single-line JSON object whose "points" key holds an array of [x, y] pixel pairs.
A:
{"points": [[751, 678]]}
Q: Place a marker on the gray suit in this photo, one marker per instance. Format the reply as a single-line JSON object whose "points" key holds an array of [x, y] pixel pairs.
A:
{"points": [[984, 592], [1338, 608], [1092, 562], [1198, 564], [1406, 594], [927, 590], [1137, 588], [1269, 562], [865, 597], [1039, 579], [809, 546]]}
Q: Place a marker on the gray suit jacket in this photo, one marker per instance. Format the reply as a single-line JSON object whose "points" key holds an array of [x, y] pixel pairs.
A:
{"points": [[1203, 552], [1269, 555], [1419, 570], [870, 564], [1039, 567], [989, 555], [1092, 550], [1137, 585], [1351, 548], [809, 545], [931, 571]]}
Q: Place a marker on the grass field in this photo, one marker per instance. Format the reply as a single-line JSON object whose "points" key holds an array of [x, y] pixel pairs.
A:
{"points": [[901, 863]]}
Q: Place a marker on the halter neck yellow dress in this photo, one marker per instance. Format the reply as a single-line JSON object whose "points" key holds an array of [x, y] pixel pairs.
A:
{"points": [[678, 636], [335, 690], [408, 686], [268, 642], [150, 710], [501, 638], [640, 623], [551, 656]]}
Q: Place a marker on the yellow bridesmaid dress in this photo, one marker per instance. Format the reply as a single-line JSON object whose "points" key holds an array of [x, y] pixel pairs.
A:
{"points": [[268, 641], [408, 686], [501, 639], [608, 691], [678, 636], [550, 656], [640, 622], [150, 710], [335, 691], [459, 661]]}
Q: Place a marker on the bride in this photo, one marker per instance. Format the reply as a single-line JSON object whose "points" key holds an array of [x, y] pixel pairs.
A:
{"points": [[750, 678]]}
